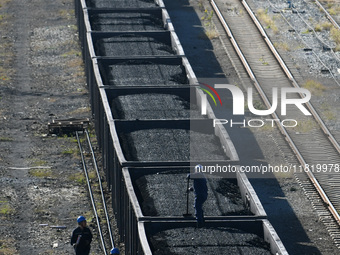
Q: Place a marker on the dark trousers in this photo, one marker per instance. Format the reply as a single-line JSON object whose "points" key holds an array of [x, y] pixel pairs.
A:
{"points": [[199, 201], [82, 251]]}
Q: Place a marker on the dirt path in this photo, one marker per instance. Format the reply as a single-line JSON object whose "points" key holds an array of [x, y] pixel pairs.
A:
{"points": [[41, 78]]}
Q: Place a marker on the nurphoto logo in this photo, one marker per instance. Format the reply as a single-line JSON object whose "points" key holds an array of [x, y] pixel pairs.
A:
{"points": [[239, 103]]}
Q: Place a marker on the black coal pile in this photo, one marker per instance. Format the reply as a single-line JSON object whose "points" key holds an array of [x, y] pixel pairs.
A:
{"points": [[140, 72], [170, 145], [120, 3], [212, 241], [164, 194], [126, 21], [153, 106], [132, 45]]}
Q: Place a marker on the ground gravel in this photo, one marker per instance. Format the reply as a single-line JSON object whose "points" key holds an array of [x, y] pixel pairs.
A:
{"points": [[41, 78]]}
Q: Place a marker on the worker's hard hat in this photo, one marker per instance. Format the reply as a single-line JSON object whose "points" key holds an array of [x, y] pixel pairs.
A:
{"points": [[80, 219], [114, 251]]}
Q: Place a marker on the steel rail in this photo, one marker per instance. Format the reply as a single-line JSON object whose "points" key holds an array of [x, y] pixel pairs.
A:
{"points": [[328, 15], [101, 188], [267, 102], [91, 194]]}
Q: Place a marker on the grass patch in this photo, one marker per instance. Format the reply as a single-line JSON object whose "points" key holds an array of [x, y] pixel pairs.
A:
{"points": [[80, 111], [332, 11], [211, 33], [259, 105], [209, 28], [326, 25], [4, 78], [282, 46], [39, 163], [201, 5], [327, 111], [66, 13], [6, 247], [71, 151], [72, 53], [332, 7], [267, 20], [41, 172], [335, 35], [263, 61], [316, 88], [80, 177], [89, 216], [329, 115], [305, 126], [318, 28], [6, 139], [5, 208], [74, 63]]}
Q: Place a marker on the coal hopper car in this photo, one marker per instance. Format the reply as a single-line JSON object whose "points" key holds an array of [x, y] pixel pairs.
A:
{"points": [[150, 130]]}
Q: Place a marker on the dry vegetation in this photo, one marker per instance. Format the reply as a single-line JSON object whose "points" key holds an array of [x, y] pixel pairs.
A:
{"points": [[305, 126], [282, 46], [269, 21], [335, 35], [315, 87], [209, 27], [323, 26], [333, 7]]}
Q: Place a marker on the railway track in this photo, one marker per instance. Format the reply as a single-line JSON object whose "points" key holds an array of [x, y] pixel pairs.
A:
{"points": [[266, 68], [321, 47], [335, 20], [96, 192]]}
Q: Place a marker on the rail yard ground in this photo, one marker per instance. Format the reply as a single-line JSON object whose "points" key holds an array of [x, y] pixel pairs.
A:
{"points": [[41, 78], [41, 181]]}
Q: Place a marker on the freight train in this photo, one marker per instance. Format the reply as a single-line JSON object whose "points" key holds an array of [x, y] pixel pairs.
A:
{"points": [[146, 108]]}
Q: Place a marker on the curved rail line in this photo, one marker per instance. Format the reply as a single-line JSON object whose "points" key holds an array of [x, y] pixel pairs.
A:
{"points": [[91, 193], [286, 134]]}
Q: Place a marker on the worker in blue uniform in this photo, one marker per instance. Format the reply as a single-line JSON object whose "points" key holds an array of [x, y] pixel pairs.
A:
{"points": [[81, 237], [201, 194]]}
